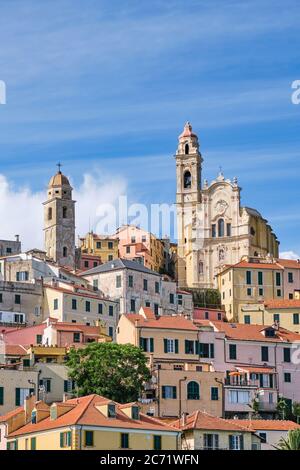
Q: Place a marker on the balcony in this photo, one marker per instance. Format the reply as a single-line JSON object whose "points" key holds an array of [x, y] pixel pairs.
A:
{"points": [[241, 382]]}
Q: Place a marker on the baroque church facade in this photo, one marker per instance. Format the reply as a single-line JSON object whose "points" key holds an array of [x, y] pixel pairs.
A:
{"points": [[213, 228], [59, 221]]}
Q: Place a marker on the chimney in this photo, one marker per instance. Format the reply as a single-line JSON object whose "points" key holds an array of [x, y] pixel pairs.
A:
{"points": [[17, 238], [29, 403], [183, 419]]}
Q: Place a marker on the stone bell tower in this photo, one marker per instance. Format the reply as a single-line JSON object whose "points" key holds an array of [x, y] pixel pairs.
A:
{"points": [[188, 196], [59, 221]]}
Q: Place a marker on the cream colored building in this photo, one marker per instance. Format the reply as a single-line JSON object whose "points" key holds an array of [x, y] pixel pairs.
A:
{"points": [[99, 245], [59, 221], [249, 282], [180, 381], [213, 228], [21, 298], [74, 304], [202, 431], [285, 312]]}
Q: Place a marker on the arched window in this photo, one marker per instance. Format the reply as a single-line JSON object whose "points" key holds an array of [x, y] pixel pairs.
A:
{"points": [[221, 228], [65, 251], [65, 210], [193, 391], [49, 213], [187, 180], [186, 149]]}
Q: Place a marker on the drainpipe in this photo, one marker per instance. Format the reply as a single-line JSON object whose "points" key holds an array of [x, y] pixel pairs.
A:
{"points": [[179, 394], [223, 396]]}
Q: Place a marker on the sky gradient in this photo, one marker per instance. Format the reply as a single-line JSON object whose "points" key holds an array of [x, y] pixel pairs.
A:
{"points": [[105, 87]]}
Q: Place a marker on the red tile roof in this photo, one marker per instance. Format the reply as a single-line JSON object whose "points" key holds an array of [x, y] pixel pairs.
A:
{"points": [[202, 420], [246, 264], [282, 303], [11, 414], [289, 263], [257, 369], [84, 412], [266, 424], [166, 322], [240, 331]]}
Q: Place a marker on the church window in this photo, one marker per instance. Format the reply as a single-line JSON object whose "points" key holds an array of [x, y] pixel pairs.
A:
{"points": [[187, 180], [65, 251], [201, 267], [186, 149], [228, 230], [64, 212], [49, 213], [221, 228], [213, 231]]}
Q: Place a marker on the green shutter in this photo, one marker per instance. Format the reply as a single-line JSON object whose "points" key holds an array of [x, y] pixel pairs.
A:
{"points": [[212, 350], [165, 345], [142, 343], [61, 439], [69, 438], [176, 346], [151, 345], [200, 349], [1, 395], [17, 397], [163, 391], [197, 348], [241, 442], [186, 346], [66, 383], [33, 443], [174, 392]]}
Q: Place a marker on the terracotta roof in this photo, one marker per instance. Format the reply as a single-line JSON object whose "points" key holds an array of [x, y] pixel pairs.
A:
{"points": [[257, 369], [289, 263], [15, 350], [240, 331], [202, 420], [11, 414], [187, 131], [85, 412], [246, 264], [282, 303], [266, 424], [166, 322]]}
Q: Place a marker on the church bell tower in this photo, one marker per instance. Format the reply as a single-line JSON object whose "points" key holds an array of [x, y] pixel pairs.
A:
{"points": [[59, 221], [188, 195]]}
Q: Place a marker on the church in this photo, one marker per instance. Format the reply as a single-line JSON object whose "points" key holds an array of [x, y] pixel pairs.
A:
{"points": [[214, 229]]}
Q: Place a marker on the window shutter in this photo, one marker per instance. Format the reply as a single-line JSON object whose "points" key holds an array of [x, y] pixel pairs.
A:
{"points": [[141, 343], [69, 436], [271, 380], [176, 346], [163, 390], [241, 442], [231, 446], [151, 345], [61, 438], [66, 386], [17, 397], [186, 346], [212, 350], [165, 345], [174, 392], [201, 349], [196, 347], [1, 395], [31, 391]]}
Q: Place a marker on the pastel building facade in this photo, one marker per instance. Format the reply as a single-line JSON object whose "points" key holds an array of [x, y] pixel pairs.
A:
{"points": [[105, 248]]}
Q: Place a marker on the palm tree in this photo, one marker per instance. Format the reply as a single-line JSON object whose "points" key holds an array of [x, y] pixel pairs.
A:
{"points": [[292, 442]]}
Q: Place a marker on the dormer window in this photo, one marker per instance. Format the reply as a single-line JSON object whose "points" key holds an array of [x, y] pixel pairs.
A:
{"points": [[111, 411], [270, 333], [135, 412]]}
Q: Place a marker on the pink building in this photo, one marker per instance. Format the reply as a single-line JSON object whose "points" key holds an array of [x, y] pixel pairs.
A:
{"points": [[89, 261], [260, 363], [291, 276], [209, 314]]}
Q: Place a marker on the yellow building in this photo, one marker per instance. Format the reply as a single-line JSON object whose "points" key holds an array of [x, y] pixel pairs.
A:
{"points": [[92, 423], [98, 245], [249, 282], [285, 312], [201, 431], [180, 381]]}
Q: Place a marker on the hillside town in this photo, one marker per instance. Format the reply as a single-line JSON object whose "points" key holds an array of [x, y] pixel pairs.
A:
{"points": [[131, 341]]}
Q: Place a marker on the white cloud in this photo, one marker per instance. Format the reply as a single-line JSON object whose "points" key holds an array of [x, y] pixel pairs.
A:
{"points": [[289, 255], [21, 210]]}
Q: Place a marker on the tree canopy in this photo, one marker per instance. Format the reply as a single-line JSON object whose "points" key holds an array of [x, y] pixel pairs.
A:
{"points": [[115, 371]]}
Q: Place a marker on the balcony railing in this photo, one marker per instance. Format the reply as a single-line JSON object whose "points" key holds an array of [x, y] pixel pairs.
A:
{"points": [[241, 382]]}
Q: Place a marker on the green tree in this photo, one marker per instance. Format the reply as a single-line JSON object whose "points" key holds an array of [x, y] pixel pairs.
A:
{"points": [[292, 442], [115, 371], [296, 411]]}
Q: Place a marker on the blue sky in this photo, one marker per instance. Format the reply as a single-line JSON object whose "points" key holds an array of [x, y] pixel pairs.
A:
{"points": [[106, 86]]}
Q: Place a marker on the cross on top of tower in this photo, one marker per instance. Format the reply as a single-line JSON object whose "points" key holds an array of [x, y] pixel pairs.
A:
{"points": [[59, 165]]}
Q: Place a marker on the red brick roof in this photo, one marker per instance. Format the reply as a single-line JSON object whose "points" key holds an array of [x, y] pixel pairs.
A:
{"points": [[84, 412], [202, 420]]}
